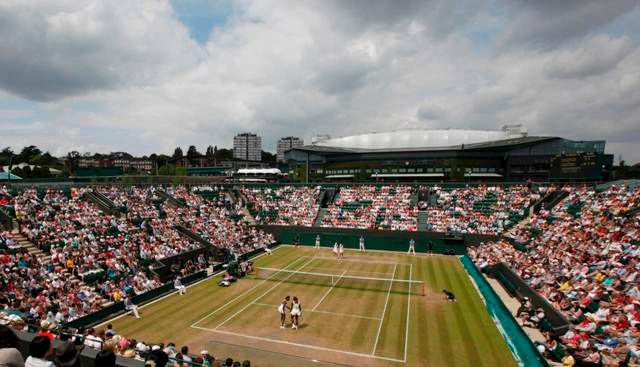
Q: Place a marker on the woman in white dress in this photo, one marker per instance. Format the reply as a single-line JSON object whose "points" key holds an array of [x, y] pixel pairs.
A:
{"points": [[341, 251], [296, 311], [335, 249], [282, 310]]}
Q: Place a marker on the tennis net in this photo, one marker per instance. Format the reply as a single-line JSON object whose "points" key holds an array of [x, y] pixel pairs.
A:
{"points": [[342, 280]]}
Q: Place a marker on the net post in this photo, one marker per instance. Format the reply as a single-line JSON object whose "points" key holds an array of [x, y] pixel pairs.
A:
{"points": [[423, 290]]}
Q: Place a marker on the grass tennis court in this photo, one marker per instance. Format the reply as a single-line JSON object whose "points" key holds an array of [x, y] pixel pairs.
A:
{"points": [[373, 309]]}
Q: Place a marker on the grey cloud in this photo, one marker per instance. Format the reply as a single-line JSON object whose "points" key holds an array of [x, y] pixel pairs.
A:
{"points": [[51, 53], [440, 17], [600, 56], [549, 23], [430, 112]]}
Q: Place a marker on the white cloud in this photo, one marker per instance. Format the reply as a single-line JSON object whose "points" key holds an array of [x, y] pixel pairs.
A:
{"points": [[73, 47], [301, 68]]}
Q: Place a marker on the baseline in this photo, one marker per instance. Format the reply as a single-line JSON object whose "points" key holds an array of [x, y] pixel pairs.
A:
{"points": [[301, 345]]}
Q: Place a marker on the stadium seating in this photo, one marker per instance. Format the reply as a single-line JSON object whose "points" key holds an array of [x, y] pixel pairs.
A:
{"points": [[373, 207], [583, 257], [287, 205], [480, 209]]}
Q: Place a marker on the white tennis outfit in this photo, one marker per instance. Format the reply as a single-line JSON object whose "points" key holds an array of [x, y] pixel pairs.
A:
{"points": [[412, 247], [335, 248], [281, 309], [295, 309]]}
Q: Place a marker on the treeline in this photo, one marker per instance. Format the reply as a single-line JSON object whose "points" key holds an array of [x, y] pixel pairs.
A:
{"points": [[163, 164], [624, 172], [31, 155]]}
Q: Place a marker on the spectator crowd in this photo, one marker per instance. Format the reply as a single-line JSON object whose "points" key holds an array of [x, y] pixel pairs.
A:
{"points": [[64, 349], [373, 207], [480, 209], [583, 257], [286, 205]]}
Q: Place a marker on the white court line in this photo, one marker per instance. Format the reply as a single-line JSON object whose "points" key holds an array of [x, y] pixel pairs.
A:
{"points": [[328, 291], [326, 312], [356, 260], [262, 295], [302, 345], [382, 251], [241, 295], [175, 291], [352, 271], [406, 334], [375, 345]]}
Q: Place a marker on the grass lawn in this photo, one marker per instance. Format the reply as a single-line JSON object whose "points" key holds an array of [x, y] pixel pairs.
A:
{"points": [[347, 320]]}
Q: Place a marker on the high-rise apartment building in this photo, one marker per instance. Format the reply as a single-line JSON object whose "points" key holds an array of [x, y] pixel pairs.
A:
{"points": [[287, 143], [247, 146]]}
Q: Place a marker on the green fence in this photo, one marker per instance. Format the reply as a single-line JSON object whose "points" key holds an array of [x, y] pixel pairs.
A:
{"points": [[118, 308], [517, 340], [376, 239]]}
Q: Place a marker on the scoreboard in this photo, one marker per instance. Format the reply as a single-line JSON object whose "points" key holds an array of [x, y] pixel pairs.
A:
{"points": [[579, 166]]}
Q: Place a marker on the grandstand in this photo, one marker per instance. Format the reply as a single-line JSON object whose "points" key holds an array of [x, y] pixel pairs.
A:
{"points": [[72, 254], [508, 155]]}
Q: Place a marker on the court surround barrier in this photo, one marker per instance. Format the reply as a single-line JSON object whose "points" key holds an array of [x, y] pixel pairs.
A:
{"points": [[377, 239], [118, 307], [516, 287], [517, 340]]}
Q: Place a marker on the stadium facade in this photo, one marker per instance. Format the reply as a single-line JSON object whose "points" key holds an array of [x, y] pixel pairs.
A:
{"points": [[450, 155]]}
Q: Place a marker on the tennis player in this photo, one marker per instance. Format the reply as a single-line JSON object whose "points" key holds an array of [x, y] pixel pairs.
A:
{"points": [[335, 249], [361, 243], [412, 247], [317, 241], [282, 310], [296, 312], [341, 251]]}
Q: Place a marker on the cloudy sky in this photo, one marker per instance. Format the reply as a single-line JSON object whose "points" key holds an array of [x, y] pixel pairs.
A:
{"points": [[147, 76]]}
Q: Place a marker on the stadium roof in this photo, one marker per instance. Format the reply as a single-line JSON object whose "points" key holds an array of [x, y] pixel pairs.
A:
{"points": [[420, 139], [502, 143]]}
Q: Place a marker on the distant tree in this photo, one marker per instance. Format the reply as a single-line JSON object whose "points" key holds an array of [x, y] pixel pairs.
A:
{"points": [[166, 170], [5, 156], [71, 163], [44, 160], [625, 172], [223, 154], [193, 152], [41, 172], [162, 160], [26, 172], [268, 157], [177, 153], [29, 152], [210, 152], [17, 171]]}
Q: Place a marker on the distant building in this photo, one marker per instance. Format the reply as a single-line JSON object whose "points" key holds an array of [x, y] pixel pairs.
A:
{"points": [[287, 143], [509, 154], [247, 146]]}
